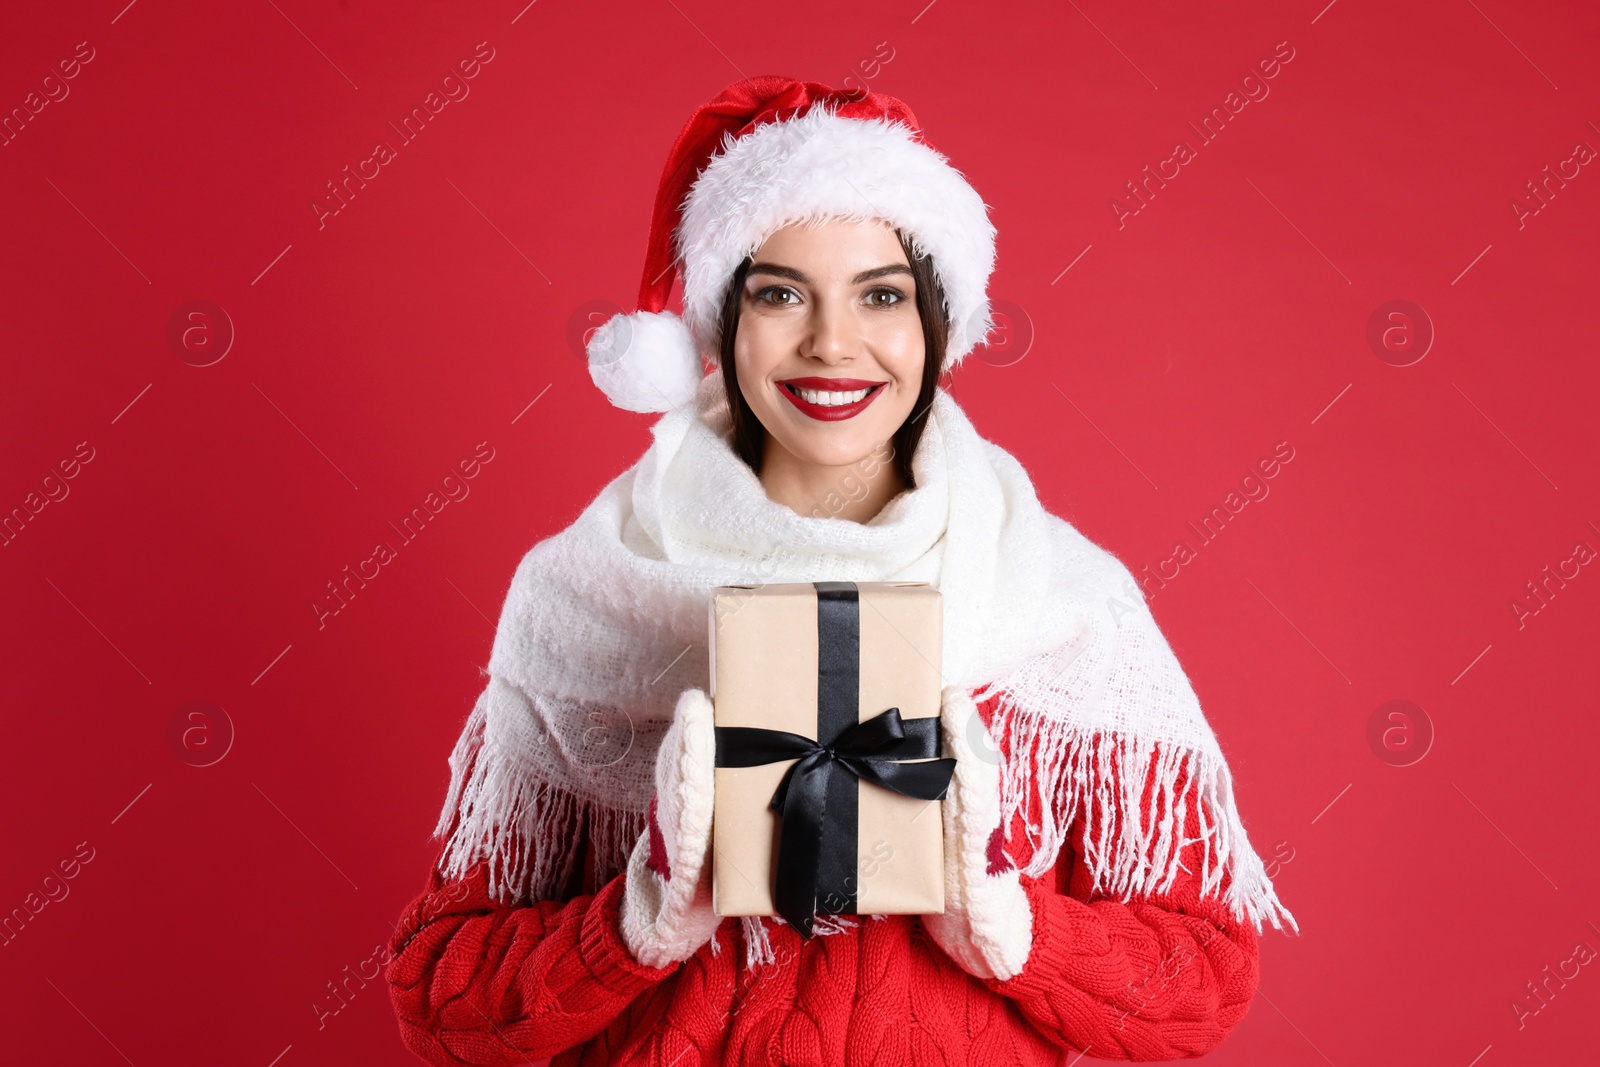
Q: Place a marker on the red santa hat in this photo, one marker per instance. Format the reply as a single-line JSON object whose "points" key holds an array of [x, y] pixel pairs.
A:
{"points": [[765, 153]]}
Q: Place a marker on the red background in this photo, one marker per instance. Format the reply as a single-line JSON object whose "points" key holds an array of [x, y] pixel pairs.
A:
{"points": [[373, 353]]}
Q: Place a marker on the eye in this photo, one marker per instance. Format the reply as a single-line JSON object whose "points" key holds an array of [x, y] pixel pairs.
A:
{"points": [[761, 295], [885, 290]]}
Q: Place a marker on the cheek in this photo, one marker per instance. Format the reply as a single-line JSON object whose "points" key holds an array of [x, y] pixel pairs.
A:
{"points": [[901, 356], [902, 351], [755, 350], [764, 340]]}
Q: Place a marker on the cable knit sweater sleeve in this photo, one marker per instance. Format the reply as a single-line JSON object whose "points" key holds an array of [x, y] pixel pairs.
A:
{"points": [[1152, 978], [477, 982]]}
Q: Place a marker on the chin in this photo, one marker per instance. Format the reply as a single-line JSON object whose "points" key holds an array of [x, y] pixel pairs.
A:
{"points": [[829, 448]]}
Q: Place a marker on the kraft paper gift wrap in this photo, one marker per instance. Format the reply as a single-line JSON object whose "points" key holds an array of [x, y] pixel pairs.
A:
{"points": [[829, 769]]}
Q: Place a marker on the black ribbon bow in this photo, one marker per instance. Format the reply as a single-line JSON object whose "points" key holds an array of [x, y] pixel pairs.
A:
{"points": [[868, 750]]}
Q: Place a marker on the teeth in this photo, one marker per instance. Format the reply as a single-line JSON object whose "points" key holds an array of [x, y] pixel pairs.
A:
{"points": [[830, 398]]}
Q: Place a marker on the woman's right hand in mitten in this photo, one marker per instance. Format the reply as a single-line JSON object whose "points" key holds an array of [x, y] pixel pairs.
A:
{"points": [[666, 906]]}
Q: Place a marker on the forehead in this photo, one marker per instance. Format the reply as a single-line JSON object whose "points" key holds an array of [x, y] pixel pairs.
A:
{"points": [[844, 244]]}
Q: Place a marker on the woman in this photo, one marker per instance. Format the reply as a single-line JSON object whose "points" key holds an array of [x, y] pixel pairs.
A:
{"points": [[1101, 893]]}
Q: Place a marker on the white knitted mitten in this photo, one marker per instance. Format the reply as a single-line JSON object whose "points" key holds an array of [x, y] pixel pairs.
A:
{"points": [[987, 925], [666, 905]]}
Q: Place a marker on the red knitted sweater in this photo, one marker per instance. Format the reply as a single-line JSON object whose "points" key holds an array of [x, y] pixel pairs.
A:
{"points": [[477, 982]]}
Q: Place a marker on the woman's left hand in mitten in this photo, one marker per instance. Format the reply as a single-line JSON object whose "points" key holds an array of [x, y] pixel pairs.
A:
{"points": [[987, 924]]}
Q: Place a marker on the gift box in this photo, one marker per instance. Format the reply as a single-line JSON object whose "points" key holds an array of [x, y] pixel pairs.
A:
{"points": [[829, 773]]}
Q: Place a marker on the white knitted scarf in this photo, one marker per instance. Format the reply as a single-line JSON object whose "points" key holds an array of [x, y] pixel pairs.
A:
{"points": [[605, 623]]}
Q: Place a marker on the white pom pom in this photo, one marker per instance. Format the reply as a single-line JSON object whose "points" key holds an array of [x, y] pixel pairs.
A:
{"points": [[645, 361]]}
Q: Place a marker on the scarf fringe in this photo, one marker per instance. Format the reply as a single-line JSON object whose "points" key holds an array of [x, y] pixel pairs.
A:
{"points": [[757, 945], [506, 814], [502, 812], [758, 938], [1104, 775]]}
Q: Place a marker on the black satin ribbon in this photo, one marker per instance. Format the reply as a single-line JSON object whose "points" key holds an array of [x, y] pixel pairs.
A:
{"points": [[816, 797]]}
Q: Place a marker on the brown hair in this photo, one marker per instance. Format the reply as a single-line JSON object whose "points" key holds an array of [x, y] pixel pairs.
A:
{"points": [[749, 436]]}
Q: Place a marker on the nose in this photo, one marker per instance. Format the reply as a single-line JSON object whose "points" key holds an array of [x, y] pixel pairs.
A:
{"points": [[832, 336]]}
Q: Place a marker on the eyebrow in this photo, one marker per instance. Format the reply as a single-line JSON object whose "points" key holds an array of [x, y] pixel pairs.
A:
{"points": [[799, 276]]}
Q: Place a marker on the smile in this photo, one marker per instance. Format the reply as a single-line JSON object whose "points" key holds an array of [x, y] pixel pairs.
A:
{"points": [[830, 399]]}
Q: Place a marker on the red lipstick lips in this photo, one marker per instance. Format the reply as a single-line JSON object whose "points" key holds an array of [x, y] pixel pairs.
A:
{"points": [[829, 412]]}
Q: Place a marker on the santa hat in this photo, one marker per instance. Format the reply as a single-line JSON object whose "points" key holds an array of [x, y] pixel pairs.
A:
{"points": [[764, 153]]}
